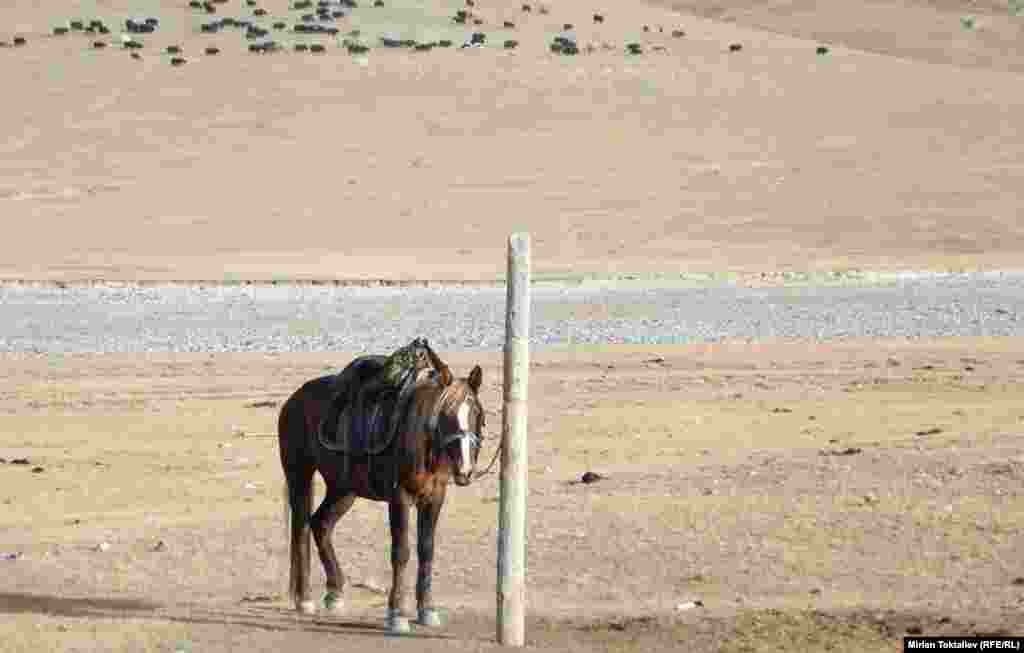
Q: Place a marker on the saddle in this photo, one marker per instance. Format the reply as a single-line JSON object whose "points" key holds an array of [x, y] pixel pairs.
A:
{"points": [[360, 425]]}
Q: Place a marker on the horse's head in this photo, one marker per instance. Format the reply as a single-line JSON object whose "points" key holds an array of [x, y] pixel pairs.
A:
{"points": [[458, 425]]}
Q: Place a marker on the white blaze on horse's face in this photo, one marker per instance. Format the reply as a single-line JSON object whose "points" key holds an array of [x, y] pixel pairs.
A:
{"points": [[465, 446]]}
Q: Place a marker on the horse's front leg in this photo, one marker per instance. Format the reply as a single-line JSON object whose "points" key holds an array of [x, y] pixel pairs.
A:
{"points": [[398, 516], [426, 527]]}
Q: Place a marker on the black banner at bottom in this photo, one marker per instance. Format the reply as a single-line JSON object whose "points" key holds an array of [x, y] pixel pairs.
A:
{"points": [[963, 644]]}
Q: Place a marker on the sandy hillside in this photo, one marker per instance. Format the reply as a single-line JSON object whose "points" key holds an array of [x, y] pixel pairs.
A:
{"points": [[900, 148]]}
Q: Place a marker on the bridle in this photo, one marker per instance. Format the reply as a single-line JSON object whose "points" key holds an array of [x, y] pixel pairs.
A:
{"points": [[443, 442]]}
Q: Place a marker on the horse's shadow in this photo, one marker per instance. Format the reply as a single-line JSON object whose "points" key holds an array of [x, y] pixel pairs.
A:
{"points": [[15, 603], [263, 618]]}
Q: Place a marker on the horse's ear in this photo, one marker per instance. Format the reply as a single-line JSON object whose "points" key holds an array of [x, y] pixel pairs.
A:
{"points": [[476, 377]]}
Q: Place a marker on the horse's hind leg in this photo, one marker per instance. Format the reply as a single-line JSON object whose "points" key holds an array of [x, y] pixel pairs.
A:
{"points": [[300, 501], [326, 517], [398, 516]]}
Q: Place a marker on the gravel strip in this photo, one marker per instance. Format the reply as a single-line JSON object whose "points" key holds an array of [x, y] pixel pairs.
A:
{"points": [[281, 318]]}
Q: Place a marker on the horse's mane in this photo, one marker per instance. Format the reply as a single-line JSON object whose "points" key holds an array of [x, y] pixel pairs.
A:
{"points": [[444, 397]]}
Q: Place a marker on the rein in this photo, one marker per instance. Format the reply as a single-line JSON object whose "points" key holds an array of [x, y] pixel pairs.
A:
{"points": [[487, 471]]}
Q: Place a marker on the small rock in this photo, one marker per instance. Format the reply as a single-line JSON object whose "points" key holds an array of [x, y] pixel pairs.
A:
{"points": [[567, 27], [678, 33], [99, 45], [1018, 581], [60, 31], [656, 359], [689, 605], [527, 8], [816, 590], [598, 18], [870, 499], [17, 555], [19, 41], [821, 49], [173, 49], [38, 470], [932, 431], [735, 47], [511, 44], [212, 50], [782, 410], [159, 546], [20, 461], [591, 477], [317, 48], [103, 546]]}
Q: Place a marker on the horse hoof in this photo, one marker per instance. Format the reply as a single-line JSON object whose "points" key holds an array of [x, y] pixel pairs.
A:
{"points": [[429, 617], [306, 607], [397, 624], [334, 604]]}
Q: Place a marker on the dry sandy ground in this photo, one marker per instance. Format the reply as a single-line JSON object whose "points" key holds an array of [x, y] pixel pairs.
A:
{"points": [[899, 149], [726, 483]]}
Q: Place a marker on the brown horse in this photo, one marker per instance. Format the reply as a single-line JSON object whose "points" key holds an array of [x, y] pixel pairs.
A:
{"points": [[438, 438]]}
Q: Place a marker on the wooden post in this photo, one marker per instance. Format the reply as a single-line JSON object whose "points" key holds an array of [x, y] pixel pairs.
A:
{"points": [[512, 507]]}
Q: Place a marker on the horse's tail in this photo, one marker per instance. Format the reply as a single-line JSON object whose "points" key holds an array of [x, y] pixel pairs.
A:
{"points": [[298, 491], [286, 513]]}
